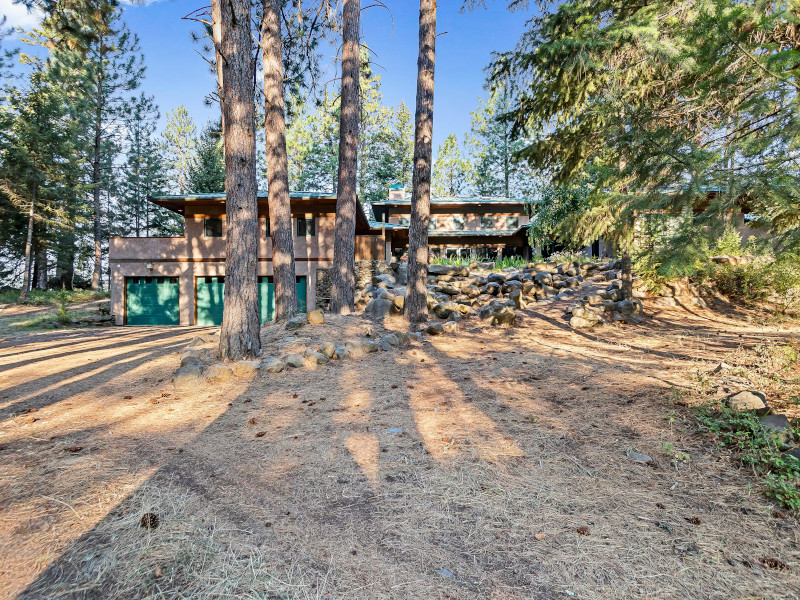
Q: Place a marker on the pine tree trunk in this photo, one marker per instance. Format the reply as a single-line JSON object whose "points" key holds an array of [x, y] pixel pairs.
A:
{"points": [[280, 212], [65, 261], [239, 336], [416, 308], [40, 262], [98, 134], [343, 277], [627, 277], [28, 249]]}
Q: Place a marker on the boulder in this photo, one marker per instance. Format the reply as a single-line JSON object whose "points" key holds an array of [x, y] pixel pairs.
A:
{"points": [[450, 327], [399, 303], [246, 368], [449, 289], [470, 291], [456, 270], [368, 346], [435, 329], [581, 323], [402, 274], [296, 322], [498, 314], [778, 426], [443, 310], [379, 307], [315, 317], [487, 266], [354, 349], [272, 365], [383, 345], [191, 359], [328, 348], [203, 338], [748, 400], [294, 360], [492, 288], [341, 352], [218, 373], [498, 278], [315, 358], [516, 297], [391, 339], [188, 377]]}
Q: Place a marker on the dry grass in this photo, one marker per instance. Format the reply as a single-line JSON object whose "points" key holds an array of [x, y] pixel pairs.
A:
{"points": [[509, 443]]}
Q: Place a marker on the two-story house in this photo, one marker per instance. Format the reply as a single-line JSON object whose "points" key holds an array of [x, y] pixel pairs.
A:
{"points": [[481, 228], [180, 280]]}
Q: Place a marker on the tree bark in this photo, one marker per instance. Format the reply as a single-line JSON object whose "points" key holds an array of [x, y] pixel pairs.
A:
{"points": [[239, 336], [343, 279], [280, 210], [98, 134], [26, 276], [40, 259], [627, 277], [416, 306]]}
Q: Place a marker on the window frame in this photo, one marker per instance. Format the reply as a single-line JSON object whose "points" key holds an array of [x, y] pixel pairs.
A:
{"points": [[512, 218], [206, 222], [304, 221], [487, 219]]}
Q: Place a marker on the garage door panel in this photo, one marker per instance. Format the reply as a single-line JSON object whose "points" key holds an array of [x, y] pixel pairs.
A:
{"points": [[210, 298], [152, 301]]}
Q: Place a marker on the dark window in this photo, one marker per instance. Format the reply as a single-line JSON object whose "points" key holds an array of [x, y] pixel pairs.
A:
{"points": [[160, 280], [212, 228], [268, 233], [404, 221], [305, 227], [432, 224], [512, 222], [459, 223], [487, 222]]}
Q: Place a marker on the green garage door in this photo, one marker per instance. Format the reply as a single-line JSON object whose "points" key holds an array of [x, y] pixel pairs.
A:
{"points": [[211, 293], [152, 301]]}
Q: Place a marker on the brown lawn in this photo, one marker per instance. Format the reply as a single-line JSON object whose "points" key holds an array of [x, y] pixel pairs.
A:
{"points": [[491, 464]]}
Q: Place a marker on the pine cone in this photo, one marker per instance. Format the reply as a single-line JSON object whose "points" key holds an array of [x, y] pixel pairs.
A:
{"points": [[149, 520]]}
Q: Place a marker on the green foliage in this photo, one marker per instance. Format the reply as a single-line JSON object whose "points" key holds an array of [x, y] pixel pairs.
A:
{"points": [[516, 262], [451, 171], [180, 148], [51, 297], [556, 215], [674, 109], [493, 170], [756, 448], [748, 282], [207, 173], [730, 242]]}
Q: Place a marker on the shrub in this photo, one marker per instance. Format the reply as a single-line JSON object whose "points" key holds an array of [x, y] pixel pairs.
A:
{"points": [[749, 282], [757, 448], [730, 242]]}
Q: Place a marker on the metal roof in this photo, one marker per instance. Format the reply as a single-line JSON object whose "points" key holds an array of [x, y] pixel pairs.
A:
{"points": [[262, 195], [461, 200]]}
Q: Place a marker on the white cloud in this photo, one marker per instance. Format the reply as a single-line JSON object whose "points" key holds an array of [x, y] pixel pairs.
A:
{"points": [[17, 15]]}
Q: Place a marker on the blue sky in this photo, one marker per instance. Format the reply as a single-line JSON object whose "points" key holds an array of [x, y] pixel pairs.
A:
{"points": [[177, 75]]}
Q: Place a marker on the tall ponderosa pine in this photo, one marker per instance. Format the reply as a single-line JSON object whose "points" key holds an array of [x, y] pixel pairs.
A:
{"points": [[416, 307], [207, 174], [343, 279], [180, 147], [240, 332], [280, 211]]}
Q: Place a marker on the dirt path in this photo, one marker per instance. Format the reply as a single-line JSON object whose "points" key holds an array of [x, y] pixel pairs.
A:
{"points": [[461, 467]]}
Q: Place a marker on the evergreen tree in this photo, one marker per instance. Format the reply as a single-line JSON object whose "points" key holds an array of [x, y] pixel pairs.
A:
{"points": [[143, 175], [495, 170], [35, 158], [180, 147], [207, 173], [451, 171]]}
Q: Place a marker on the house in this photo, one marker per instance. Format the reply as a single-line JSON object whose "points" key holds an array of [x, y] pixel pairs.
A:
{"points": [[180, 280], [480, 228]]}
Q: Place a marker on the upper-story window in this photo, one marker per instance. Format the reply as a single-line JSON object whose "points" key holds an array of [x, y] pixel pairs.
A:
{"points": [[459, 223], [487, 222], [305, 227], [512, 222], [404, 221], [431, 223], [212, 227]]}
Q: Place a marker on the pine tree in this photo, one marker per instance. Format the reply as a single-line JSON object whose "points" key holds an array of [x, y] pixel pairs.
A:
{"points": [[343, 279], [207, 174], [180, 147], [35, 158], [451, 171], [416, 308]]}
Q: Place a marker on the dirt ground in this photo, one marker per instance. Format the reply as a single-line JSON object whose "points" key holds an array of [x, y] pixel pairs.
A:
{"points": [[491, 464]]}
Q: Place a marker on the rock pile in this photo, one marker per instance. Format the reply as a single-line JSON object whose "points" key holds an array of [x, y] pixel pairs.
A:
{"points": [[606, 306], [458, 292]]}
